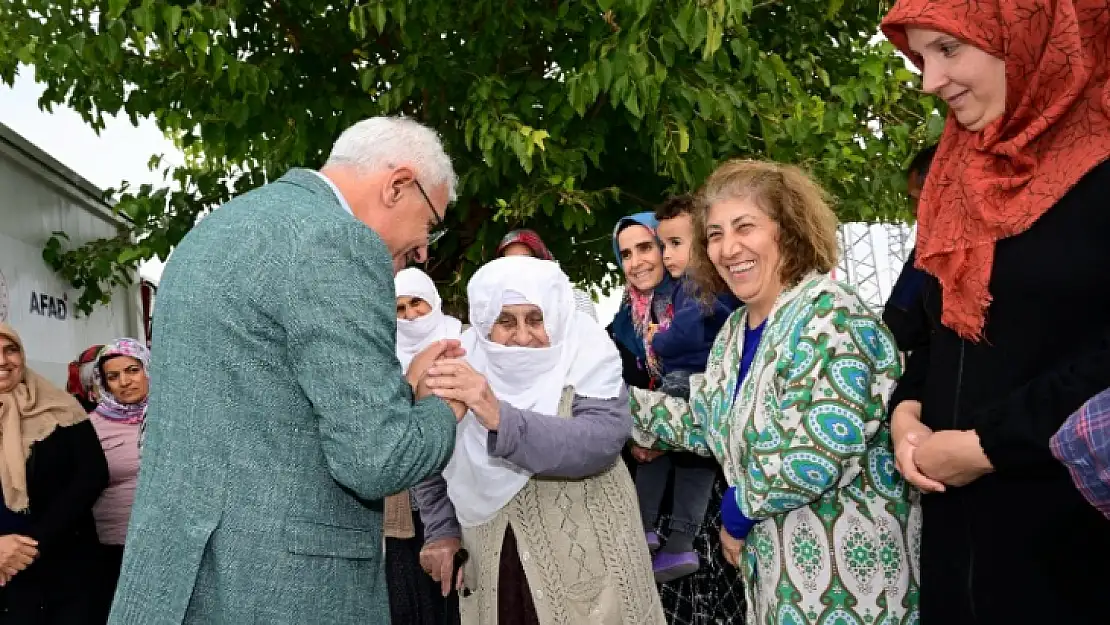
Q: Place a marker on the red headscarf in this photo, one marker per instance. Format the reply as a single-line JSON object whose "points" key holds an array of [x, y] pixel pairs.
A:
{"points": [[989, 185], [73, 380], [529, 239]]}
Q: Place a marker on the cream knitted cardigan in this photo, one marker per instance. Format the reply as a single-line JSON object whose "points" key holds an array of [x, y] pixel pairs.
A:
{"points": [[582, 547]]}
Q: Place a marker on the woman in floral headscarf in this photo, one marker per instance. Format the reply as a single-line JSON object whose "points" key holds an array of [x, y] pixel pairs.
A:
{"points": [[123, 387], [1012, 230]]}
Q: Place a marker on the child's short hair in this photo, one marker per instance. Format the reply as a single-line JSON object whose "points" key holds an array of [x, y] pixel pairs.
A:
{"points": [[675, 206]]}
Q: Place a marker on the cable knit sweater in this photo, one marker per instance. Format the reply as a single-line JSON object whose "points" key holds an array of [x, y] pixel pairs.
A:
{"points": [[576, 523]]}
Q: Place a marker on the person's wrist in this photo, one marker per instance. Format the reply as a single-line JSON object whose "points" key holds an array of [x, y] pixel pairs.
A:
{"points": [[492, 416], [732, 518], [981, 461]]}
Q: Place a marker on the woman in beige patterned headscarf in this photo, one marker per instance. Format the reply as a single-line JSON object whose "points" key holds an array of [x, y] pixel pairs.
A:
{"points": [[51, 471]]}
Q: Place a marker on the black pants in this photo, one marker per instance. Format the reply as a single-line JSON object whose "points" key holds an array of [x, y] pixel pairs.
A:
{"points": [[414, 598], [692, 487], [111, 561]]}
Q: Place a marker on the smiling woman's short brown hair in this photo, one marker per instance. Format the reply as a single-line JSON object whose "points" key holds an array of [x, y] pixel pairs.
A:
{"points": [[790, 197]]}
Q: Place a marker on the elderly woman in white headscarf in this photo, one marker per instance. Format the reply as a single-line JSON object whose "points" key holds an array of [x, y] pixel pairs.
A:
{"points": [[535, 491], [413, 598], [420, 317]]}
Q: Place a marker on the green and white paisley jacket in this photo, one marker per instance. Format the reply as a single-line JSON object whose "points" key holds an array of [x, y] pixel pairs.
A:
{"points": [[807, 445]]}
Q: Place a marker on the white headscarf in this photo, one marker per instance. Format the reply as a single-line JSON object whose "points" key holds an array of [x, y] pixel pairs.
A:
{"points": [[581, 355], [416, 334]]}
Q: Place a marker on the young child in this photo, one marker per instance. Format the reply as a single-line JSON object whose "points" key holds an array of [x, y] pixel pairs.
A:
{"points": [[682, 349]]}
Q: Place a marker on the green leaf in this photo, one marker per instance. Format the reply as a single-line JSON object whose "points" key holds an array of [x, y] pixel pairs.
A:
{"points": [[903, 75], [171, 15], [379, 17], [538, 137], [605, 73], [129, 255], [713, 39], [666, 50], [683, 140], [934, 128], [683, 22], [356, 21], [143, 19], [632, 103], [199, 40], [116, 8]]}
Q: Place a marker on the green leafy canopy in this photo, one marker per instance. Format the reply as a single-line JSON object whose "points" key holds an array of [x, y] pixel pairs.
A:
{"points": [[560, 115]]}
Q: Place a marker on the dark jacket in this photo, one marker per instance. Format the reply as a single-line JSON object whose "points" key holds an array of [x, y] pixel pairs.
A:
{"points": [[904, 312], [66, 473], [1017, 546], [685, 344], [631, 348]]}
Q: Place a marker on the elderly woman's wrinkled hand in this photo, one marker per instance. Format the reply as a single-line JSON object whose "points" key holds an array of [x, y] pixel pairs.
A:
{"points": [[437, 558], [423, 390], [444, 349], [454, 379]]}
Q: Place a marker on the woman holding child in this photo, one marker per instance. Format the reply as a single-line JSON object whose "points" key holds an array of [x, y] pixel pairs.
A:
{"points": [[792, 403], [696, 584]]}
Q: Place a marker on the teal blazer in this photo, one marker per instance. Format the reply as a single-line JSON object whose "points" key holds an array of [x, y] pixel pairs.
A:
{"points": [[279, 419]]}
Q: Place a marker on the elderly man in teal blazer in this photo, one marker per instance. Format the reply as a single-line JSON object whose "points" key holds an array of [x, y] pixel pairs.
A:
{"points": [[279, 415]]}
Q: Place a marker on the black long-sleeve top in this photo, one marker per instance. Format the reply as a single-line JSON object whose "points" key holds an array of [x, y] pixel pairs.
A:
{"points": [[1046, 350], [66, 472]]}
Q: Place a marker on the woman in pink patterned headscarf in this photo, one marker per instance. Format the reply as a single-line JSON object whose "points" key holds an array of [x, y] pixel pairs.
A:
{"points": [[123, 385]]}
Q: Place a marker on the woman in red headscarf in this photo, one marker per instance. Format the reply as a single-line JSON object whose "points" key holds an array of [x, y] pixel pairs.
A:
{"points": [[525, 242], [1012, 228], [81, 382]]}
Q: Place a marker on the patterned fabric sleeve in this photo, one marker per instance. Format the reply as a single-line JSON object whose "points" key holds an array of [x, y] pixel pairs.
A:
{"points": [[836, 376], [1083, 445], [666, 422]]}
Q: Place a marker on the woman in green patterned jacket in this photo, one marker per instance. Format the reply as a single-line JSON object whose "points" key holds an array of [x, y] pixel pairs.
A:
{"points": [[793, 405]]}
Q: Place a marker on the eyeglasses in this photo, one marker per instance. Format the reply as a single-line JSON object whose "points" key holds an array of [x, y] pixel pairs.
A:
{"points": [[438, 228]]}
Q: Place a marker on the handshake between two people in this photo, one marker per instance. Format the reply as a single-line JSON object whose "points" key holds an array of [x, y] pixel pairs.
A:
{"points": [[441, 371]]}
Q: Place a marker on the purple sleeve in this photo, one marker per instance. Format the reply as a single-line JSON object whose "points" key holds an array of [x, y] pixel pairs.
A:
{"points": [[1083, 446], [436, 512], [550, 446]]}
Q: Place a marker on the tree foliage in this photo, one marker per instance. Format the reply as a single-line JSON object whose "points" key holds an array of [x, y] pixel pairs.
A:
{"points": [[560, 115]]}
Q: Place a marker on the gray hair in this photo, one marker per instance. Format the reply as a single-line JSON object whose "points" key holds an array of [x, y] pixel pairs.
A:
{"points": [[385, 142]]}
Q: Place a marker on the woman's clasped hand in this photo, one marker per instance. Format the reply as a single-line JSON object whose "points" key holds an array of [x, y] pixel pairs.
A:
{"points": [[453, 379], [933, 460], [419, 368], [16, 554]]}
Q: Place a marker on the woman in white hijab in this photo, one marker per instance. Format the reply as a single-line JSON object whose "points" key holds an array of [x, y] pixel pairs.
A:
{"points": [[535, 489], [420, 318], [413, 598]]}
